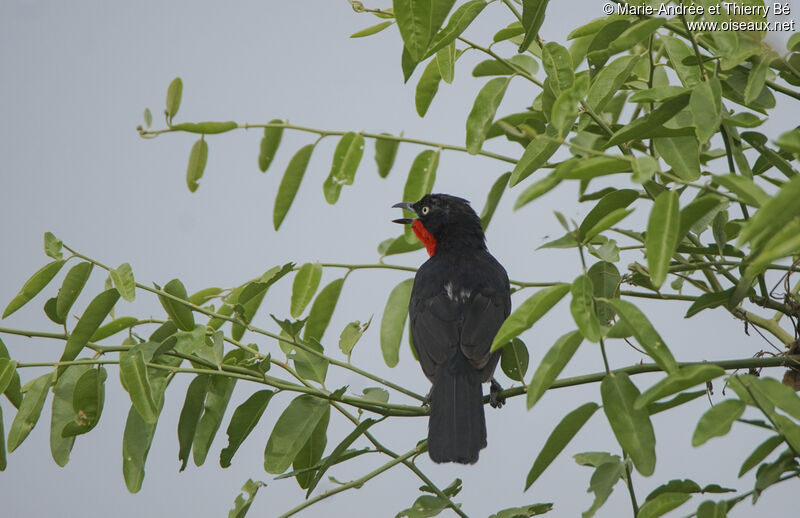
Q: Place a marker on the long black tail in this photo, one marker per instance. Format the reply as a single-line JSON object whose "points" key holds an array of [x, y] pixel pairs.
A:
{"points": [[457, 426]]}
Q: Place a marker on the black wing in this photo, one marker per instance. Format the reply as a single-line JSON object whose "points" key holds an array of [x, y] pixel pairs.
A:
{"points": [[458, 308]]}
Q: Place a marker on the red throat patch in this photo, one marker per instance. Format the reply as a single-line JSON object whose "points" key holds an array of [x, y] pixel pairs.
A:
{"points": [[426, 237]]}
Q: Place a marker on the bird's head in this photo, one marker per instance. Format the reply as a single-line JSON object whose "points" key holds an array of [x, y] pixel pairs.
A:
{"points": [[444, 221]]}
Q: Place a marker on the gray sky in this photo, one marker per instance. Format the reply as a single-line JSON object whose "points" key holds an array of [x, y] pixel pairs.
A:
{"points": [[76, 78]]}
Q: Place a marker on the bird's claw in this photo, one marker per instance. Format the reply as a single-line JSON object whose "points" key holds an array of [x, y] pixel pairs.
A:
{"points": [[495, 399]]}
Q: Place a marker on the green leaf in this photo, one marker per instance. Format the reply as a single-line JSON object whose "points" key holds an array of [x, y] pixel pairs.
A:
{"points": [[198, 157], [552, 364], [698, 210], [536, 154], [71, 287], [588, 168], [790, 141], [322, 309], [565, 107], [240, 505], [304, 287], [483, 111], [446, 61], [677, 51], [29, 410], [420, 182], [135, 379], [533, 12], [602, 483], [206, 127], [174, 93], [369, 31], [12, 390], [528, 313], [87, 402], [493, 67], [644, 168], [493, 199], [311, 453], [90, 321], [244, 419], [645, 334], [148, 118], [780, 395], [682, 154], [684, 378], [290, 183], [744, 188], [557, 64], [709, 300], [190, 415], [680, 399], [514, 359], [564, 431], [63, 412], [773, 215], [717, 420], [33, 286], [662, 504], [582, 308], [650, 124], [662, 235], [113, 327], [538, 188], [346, 158], [631, 426], [634, 34], [760, 453], [308, 365], [608, 81], [217, 399], [705, 103], [709, 509], [52, 246], [756, 80], [136, 440], [427, 87], [385, 153], [616, 199], [351, 334], [524, 511], [605, 280], [393, 321], [8, 368], [337, 452], [292, 431], [461, 18], [124, 281], [418, 21], [269, 144], [179, 313], [658, 94]]}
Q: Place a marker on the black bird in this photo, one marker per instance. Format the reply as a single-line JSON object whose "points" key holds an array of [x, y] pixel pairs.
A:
{"points": [[459, 300]]}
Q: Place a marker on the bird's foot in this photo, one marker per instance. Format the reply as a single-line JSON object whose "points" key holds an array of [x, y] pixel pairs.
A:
{"points": [[426, 403], [495, 399]]}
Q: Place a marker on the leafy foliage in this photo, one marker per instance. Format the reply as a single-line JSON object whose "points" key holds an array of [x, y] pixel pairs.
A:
{"points": [[649, 108]]}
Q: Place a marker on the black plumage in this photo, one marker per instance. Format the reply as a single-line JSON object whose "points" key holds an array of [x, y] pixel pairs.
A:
{"points": [[459, 300]]}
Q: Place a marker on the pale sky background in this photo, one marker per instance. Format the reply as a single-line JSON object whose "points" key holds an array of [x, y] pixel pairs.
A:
{"points": [[75, 78]]}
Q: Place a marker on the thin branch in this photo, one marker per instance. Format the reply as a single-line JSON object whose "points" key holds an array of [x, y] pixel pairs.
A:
{"points": [[352, 484], [327, 133]]}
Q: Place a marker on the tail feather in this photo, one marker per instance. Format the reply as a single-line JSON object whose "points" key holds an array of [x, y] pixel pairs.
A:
{"points": [[457, 426]]}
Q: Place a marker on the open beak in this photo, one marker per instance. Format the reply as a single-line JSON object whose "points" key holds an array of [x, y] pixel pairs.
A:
{"points": [[405, 206]]}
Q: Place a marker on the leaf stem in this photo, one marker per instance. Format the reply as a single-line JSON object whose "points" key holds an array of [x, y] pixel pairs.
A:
{"points": [[353, 483]]}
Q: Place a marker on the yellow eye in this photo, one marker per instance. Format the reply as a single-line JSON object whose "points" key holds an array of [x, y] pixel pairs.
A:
{"points": [[425, 210]]}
